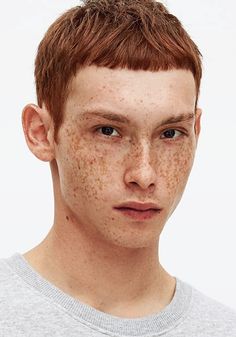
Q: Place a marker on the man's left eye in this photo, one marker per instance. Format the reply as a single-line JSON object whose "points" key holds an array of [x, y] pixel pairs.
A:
{"points": [[171, 133]]}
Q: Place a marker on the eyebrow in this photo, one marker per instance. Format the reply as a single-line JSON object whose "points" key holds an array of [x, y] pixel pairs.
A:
{"points": [[112, 116], [177, 119], [106, 115]]}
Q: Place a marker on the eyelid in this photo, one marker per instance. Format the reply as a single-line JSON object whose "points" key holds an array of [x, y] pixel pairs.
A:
{"points": [[162, 133], [180, 128], [98, 127], [183, 130], [182, 133]]}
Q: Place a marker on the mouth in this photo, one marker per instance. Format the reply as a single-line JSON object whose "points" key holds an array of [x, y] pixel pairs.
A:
{"points": [[138, 211]]}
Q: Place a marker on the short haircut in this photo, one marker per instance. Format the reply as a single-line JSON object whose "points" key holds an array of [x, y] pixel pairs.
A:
{"points": [[136, 35]]}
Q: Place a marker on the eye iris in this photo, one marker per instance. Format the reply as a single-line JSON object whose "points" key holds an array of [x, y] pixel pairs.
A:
{"points": [[169, 133], [106, 130]]}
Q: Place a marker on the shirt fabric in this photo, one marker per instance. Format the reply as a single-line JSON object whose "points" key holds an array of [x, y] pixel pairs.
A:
{"points": [[30, 306]]}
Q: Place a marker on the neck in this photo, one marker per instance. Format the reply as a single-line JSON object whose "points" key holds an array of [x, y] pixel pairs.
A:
{"points": [[110, 278]]}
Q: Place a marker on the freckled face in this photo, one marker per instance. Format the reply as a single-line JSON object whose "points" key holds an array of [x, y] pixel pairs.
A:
{"points": [[126, 136]]}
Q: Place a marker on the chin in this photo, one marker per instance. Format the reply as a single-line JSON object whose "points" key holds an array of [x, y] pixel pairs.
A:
{"points": [[134, 242], [138, 245]]}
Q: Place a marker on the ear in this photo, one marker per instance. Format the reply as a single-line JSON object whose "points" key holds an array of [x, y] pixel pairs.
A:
{"points": [[197, 126], [38, 130]]}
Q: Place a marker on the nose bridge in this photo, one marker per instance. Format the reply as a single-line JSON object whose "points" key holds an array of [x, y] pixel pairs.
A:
{"points": [[142, 153], [140, 170]]}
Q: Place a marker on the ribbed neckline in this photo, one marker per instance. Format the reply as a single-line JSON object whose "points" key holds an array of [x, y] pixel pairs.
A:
{"points": [[156, 324]]}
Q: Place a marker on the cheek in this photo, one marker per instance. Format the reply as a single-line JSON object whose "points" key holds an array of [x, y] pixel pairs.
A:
{"points": [[86, 171], [176, 166]]}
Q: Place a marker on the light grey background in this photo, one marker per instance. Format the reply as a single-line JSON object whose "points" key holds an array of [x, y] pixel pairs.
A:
{"points": [[198, 243]]}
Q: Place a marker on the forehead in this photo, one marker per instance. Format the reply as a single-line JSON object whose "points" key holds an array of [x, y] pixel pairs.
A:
{"points": [[119, 89]]}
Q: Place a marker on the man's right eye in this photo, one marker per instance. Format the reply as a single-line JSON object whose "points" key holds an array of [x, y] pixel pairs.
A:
{"points": [[108, 131]]}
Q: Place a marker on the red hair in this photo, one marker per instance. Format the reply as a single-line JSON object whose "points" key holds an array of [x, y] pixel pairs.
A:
{"points": [[137, 35]]}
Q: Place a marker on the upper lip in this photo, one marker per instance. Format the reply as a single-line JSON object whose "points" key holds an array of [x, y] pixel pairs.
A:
{"points": [[139, 206]]}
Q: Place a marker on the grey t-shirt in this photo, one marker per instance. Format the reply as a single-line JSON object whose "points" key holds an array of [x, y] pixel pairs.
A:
{"points": [[30, 306]]}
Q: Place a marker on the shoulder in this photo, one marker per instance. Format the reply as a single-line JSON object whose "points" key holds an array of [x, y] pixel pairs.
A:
{"points": [[7, 278], [15, 293], [10, 284], [210, 306], [20, 304], [208, 314]]}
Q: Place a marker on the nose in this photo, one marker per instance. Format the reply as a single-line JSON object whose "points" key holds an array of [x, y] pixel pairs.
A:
{"points": [[140, 173]]}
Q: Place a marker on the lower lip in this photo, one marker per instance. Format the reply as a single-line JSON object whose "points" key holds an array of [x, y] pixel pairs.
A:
{"points": [[139, 215]]}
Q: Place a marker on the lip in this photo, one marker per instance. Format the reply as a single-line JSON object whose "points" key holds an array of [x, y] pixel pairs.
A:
{"points": [[139, 206], [139, 211]]}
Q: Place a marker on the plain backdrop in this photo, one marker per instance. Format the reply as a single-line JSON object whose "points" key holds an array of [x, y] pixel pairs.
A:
{"points": [[198, 243]]}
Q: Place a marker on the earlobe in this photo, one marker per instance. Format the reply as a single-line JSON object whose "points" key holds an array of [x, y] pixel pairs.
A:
{"points": [[37, 128]]}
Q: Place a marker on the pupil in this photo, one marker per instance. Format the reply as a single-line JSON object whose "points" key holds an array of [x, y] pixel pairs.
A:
{"points": [[169, 133], [107, 130]]}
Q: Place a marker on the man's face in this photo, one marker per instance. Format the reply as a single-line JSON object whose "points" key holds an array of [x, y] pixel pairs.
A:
{"points": [[127, 136]]}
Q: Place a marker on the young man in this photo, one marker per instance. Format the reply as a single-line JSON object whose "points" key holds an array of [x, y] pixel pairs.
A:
{"points": [[117, 118]]}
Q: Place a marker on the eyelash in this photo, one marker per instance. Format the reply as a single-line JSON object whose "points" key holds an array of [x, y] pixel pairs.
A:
{"points": [[182, 133], [176, 130], [105, 127]]}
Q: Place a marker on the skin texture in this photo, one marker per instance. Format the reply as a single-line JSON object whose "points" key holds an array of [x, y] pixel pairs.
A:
{"points": [[117, 256]]}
